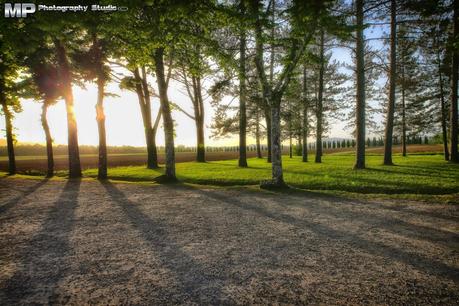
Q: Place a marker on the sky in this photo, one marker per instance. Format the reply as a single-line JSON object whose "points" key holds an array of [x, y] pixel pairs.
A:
{"points": [[123, 117]]}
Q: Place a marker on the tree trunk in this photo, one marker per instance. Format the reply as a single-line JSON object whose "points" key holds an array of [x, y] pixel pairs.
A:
{"points": [[257, 134], [443, 113], [49, 139], [9, 136], [403, 114], [304, 151], [277, 173], [152, 161], [153, 150], [66, 80], [242, 99], [150, 133], [392, 76], [201, 149], [100, 117], [319, 111], [271, 80], [268, 131], [290, 132], [199, 119], [166, 113], [360, 96], [454, 80]]}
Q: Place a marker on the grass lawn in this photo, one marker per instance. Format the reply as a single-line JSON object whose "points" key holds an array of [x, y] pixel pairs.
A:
{"points": [[417, 176]]}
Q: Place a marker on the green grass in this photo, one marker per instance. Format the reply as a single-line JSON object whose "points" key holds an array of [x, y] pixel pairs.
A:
{"points": [[412, 176], [418, 177]]}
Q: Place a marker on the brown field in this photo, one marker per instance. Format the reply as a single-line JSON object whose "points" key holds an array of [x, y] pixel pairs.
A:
{"points": [[38, 163], [27, 164]]}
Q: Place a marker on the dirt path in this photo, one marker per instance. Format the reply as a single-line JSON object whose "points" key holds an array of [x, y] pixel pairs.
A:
{"points": [[91, 243]]}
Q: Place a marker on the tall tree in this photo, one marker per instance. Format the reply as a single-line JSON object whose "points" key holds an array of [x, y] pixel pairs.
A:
{"points": [[91, 63], [300, 12], [392, 83], [305, 127], [9, 73], [48, 89], [360, 95], [64, 72], [242, 94], [319, 106], [454, 83]]}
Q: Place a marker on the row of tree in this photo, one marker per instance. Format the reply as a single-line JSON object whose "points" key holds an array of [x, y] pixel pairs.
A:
{"points": [[275, 57]]}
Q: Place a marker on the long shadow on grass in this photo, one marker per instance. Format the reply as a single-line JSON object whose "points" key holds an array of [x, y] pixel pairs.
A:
{"points": [[13, 202], [373, 247], [446, 168], [192, 275], [44, 262], [395, 171]]}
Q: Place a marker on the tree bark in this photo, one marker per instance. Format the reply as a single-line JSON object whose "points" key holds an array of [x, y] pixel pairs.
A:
{"points": [[277, 173], [49, 139], [268, 130], [257, 134], [166, 114], [100, 114], [305, 130], [100, 117], [9, 136], [403, 114], [454, 86], [319, 109], [443, 112], [360, 96], [392, 76], [65, 76], [242, 98], [199, 120]]}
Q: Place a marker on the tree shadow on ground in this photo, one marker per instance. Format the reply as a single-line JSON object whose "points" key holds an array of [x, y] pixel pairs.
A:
{"points": [[13, 202], [393, 171], [44, 261], [192, 276], [376, 248], [398, 226]]}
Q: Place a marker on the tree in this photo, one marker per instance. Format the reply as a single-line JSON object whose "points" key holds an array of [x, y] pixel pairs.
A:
{"points": [[91, 63], [48, 89], [360, 96], [319, 108], [454, 83], [305, 129], [242, 94], [273, 92], [193, 84], [392, 84], [9, 95]]}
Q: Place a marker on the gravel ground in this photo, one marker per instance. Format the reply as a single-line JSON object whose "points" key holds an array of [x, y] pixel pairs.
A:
{"points": [[91, 243]]}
